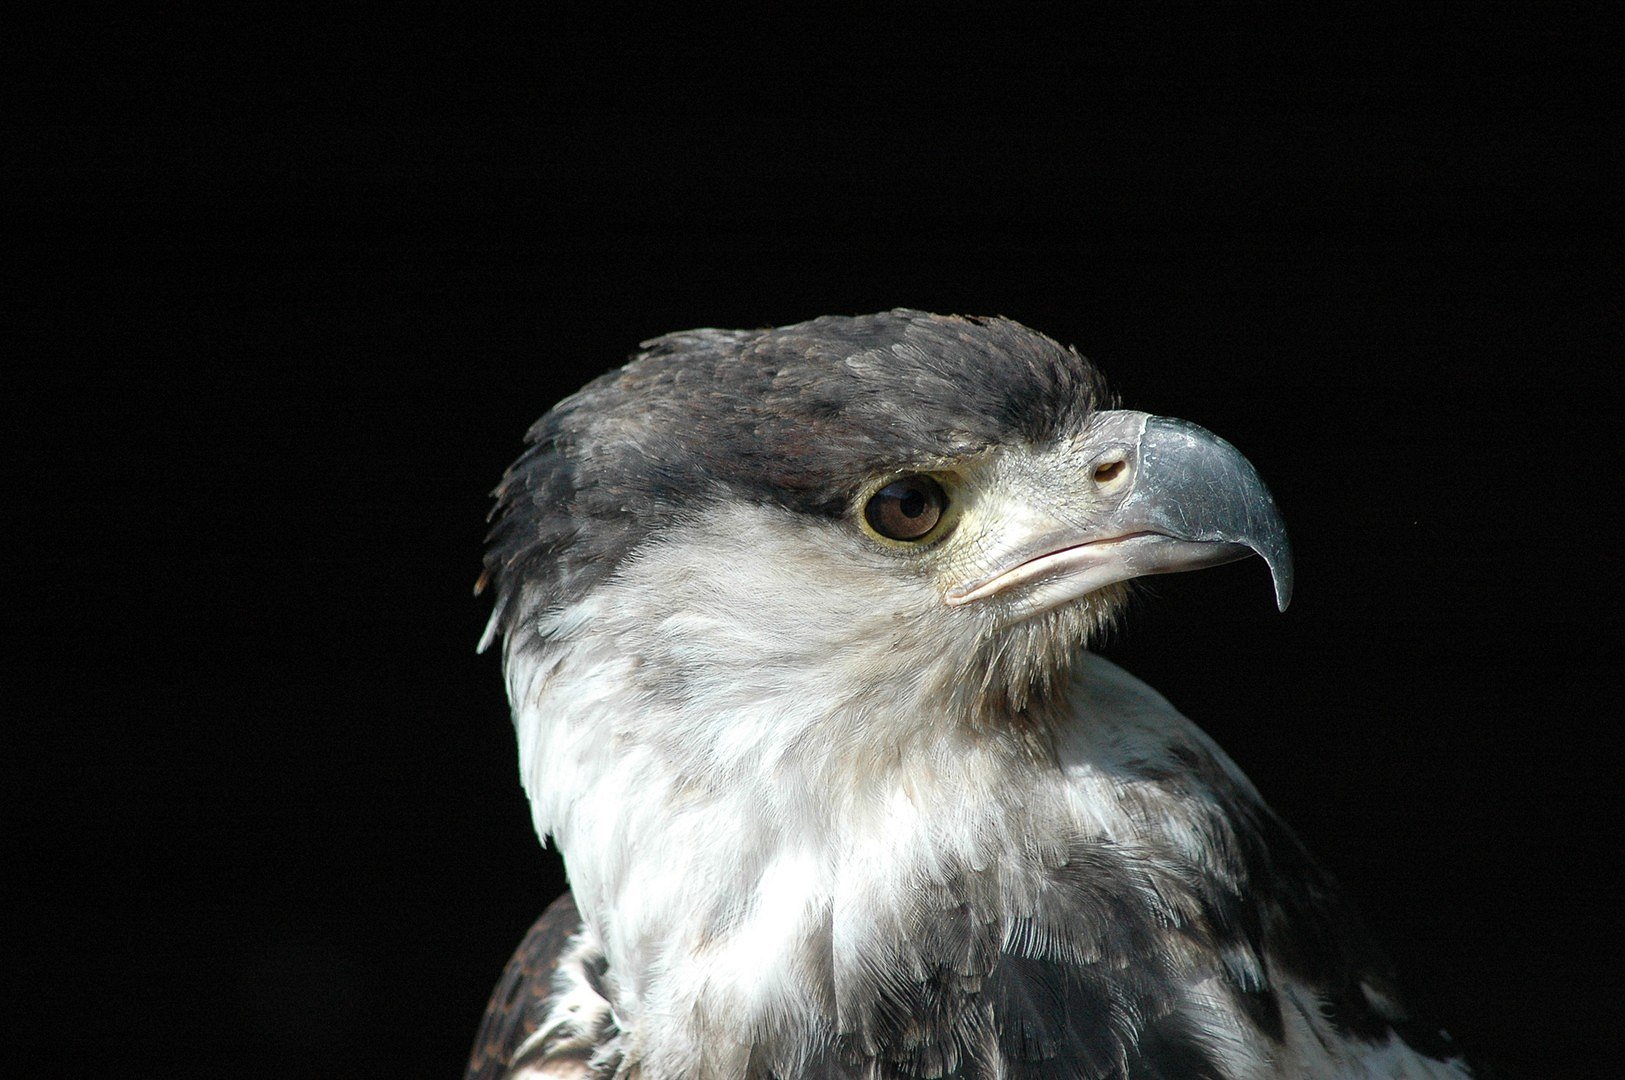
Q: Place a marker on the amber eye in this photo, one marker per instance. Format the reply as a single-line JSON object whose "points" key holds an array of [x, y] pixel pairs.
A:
{"points": [[906, 509]]}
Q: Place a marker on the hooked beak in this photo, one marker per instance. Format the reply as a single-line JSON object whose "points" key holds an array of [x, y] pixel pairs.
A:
{"points": [[1142, 495]]}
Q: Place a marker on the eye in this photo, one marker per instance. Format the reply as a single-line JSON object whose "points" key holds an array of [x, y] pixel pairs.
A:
{"points": [[906, 509]]}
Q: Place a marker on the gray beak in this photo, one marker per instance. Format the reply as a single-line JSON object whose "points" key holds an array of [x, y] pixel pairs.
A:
{"points": [[1142, 495], [1193, 488]]}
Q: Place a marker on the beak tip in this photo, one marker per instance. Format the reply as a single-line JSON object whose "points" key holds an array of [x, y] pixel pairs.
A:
{"points": [[1281, 577]]}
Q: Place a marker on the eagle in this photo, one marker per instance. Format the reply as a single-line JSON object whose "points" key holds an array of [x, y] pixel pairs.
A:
{"points": [[795, 627]]}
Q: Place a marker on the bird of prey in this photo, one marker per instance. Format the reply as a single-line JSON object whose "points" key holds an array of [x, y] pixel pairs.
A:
{"points": [[794, 626]]}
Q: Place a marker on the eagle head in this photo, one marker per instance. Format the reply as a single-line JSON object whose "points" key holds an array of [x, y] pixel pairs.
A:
{"points": [[919, 507]]}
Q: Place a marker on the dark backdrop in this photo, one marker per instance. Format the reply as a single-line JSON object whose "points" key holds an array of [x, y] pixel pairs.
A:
{"points": [[290, 295]]}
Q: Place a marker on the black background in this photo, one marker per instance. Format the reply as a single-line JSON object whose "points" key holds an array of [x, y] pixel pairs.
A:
{"points": [[289, 294]]}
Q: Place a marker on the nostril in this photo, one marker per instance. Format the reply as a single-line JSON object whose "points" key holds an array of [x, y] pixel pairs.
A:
{"points": [[1107, 471]]}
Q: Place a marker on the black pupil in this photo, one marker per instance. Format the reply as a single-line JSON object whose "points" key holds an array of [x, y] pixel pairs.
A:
{"points": [[913, 504]]}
